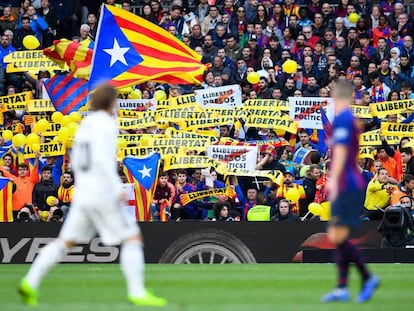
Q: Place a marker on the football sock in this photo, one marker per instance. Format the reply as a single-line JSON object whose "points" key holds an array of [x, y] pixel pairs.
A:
{"points": [[132, 264], [342, 262], [355, 256], [47, 258]]}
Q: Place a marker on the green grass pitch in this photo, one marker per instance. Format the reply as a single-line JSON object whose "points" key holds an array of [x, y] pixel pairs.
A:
{"points": [[88, 287]]}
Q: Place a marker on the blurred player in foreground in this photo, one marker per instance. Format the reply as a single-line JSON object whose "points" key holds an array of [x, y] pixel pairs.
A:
{"points": [[346, 191], [96, 206]]}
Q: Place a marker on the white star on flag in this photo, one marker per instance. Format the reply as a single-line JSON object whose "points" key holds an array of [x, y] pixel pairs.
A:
{"points": [[145, 172], [117, 54]]}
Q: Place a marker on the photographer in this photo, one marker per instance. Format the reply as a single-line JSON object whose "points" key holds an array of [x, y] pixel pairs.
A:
{"points": [[26, 214], [378, 195]]}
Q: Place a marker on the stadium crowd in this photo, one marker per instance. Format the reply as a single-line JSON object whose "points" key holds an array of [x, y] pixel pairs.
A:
{"points": [[375, 52]]}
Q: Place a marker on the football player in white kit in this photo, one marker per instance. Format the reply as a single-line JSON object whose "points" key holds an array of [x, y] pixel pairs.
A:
{"points": [[96, 205]]}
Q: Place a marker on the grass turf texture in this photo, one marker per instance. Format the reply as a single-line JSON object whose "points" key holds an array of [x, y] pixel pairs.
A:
{"points": [[208, 287]]}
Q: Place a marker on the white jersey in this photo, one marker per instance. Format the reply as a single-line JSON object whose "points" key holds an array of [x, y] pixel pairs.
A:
{"points": [[93, 160], [96, 204]]}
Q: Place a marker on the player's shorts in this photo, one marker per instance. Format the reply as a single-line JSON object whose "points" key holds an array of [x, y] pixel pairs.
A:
{"points": [[346, 210], [111, 223]]}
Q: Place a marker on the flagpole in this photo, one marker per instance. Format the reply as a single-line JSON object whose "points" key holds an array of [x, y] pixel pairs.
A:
{"points": [[96, 44]]}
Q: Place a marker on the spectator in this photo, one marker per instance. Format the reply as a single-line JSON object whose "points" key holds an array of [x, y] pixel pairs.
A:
{"points": [[196, 38], [163, 197], [65, 192], [37, 24], [211, 20], [22, 32], [7, 21], [187, 211], [405, 188], [246, 202], [201, 10], [378, 195], [222, 211], [309, 183], [293, 193], [48, 14], [43, 189], [407, 157], [25, 183], [284, 212]]}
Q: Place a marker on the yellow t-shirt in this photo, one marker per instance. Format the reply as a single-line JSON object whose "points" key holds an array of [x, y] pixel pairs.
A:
{"points": [[293, 195], [376, 196]]}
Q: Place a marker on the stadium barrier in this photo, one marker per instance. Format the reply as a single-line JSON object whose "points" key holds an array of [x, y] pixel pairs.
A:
{"points": [[204, 242]]}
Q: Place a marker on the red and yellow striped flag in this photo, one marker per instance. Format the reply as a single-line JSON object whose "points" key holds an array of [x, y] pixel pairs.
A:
{"points": [[6, 206], [131, 50], [75, 55]]}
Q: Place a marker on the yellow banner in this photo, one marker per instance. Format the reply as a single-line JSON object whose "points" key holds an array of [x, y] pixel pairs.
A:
{"points": [[281, 105], [236, 112], [362, 112], [134, 138], [14, 102], [179, 162], [190, 135], [397, 129], [265, 113], [53, 129], [386, 108], [173, 115], [129, 124], [189, 144], [283, 123], [178, 102], [274, 176], [182, 100], [31, 61], [123, 113], [164, 151], [373, 138], [202, 123], [40, 105], [30, 119], [192, 196], [46, 150], [366, 152]]}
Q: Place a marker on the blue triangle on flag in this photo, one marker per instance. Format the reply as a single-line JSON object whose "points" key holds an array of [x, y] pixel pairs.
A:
{"points": [[114, 54]]}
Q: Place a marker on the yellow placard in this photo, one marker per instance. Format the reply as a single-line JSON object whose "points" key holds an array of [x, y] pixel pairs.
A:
{"points": [[203, 123], [129, 123], [366, 152], [392, 107], [397, 129], [40, 105], [164, 151], [281, 105], [362, 112], [46, 150], [31, 61], [373, 138], [283, 123], [274, 175], [190, 144], [17, 101], [179, 162], [124, 113]]}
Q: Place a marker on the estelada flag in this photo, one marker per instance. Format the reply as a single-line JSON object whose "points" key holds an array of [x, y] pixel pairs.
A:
{"points": [[131, 50], [143, 173], [6, 206]]}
